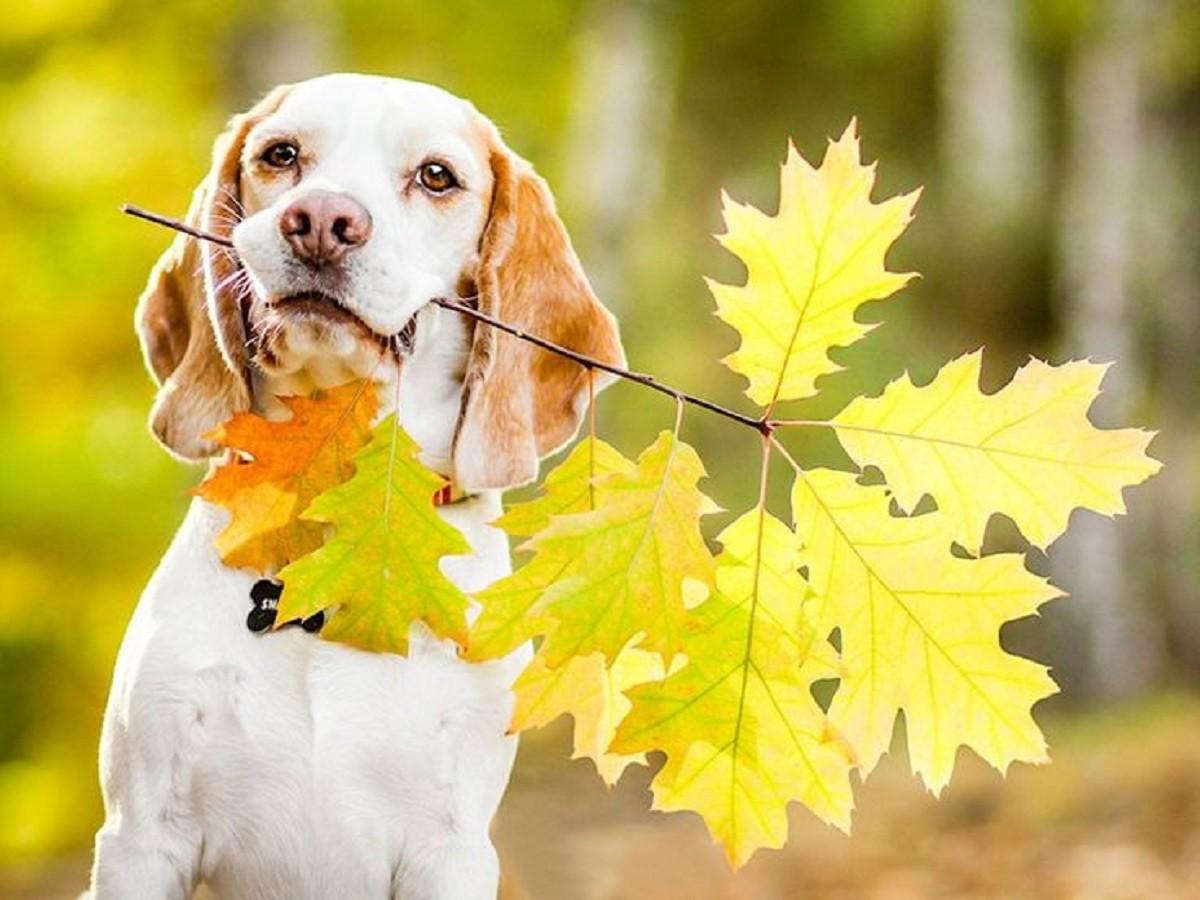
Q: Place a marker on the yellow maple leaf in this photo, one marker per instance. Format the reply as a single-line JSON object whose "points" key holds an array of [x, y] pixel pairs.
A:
{"points": [[809, 268], [1027, 451], [593, 693], [742, 734], [511, 611], [381, 567], [920, 630], [632, 555], [289, 464]]}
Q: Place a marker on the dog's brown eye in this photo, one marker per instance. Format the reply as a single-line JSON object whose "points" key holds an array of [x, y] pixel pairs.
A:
{"points": [[437, 178], [281, 155]]}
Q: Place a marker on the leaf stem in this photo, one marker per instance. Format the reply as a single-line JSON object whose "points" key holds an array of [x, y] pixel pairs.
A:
{"points": [[391, 466], [748, 658], [791, 460], [802, 423], [591, 375]]}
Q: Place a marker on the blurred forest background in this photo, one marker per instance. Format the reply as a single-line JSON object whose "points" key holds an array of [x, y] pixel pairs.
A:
{"points": [[1058, 142]]}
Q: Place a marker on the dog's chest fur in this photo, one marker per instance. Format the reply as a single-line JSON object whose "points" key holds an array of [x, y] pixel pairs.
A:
{"points": [[301, 767]]}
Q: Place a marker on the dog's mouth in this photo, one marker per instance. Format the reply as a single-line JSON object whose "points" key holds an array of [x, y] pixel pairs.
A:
{"points": [[319, 305], [327, 309]]}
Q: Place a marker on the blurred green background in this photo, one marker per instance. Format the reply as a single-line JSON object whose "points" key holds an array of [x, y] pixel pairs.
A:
{"points": [[1057, 140]]}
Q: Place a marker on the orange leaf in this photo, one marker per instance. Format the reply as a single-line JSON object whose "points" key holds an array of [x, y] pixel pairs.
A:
{"points": [[289, 464]]}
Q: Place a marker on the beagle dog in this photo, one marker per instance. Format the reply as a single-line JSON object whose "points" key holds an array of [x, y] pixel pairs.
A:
{"points": [[276, 765]]}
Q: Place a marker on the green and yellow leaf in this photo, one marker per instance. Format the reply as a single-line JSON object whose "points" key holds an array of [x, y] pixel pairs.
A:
{"points": [[631, 557], [381, 569], [920, 630], [742, 734], [809, 268], [571, 487], [1028, 451], [510, 609]]}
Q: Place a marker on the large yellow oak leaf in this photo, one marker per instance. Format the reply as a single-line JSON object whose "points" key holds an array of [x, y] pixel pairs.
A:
{"points": [[511, 609], [632, 556], [276, 469], [809, 268], [381, 569], [593, 693], [920, 630], [742, 734], [1027, 451]]}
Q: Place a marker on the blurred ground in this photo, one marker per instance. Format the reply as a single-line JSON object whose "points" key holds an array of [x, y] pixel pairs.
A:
{"points": [[1116, 816]]}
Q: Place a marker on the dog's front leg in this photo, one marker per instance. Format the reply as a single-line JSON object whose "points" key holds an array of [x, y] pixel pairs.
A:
{"points": [[454, 870], [132, 866], [145, 850], [149, 845]]}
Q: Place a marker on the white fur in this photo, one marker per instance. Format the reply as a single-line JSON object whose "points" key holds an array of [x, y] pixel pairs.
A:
{"points": [[281, 765]]}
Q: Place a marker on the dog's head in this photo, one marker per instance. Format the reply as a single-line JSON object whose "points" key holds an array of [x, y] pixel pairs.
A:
{"points": [[352, 201]]}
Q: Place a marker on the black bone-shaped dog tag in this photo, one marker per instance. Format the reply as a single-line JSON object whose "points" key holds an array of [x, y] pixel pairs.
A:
{"points": [[265, 594]]}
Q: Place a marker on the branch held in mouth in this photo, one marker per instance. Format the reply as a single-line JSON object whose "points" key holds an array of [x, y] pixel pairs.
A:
{"points": [[763, 426]]}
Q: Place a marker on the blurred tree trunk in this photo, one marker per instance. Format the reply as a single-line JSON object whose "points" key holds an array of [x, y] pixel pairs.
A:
{"points": [[991, 128], [618, 132], [1099, 561], [1169, 246], [275, 43], [991, 136]]}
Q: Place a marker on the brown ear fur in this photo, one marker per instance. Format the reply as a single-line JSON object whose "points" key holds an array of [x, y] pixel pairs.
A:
{"points": [[520, 402], [189, 321]]}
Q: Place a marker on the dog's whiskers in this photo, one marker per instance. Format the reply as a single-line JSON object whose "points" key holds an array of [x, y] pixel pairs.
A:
{"points": [[230, 200], [222, 217], [238, 279]]}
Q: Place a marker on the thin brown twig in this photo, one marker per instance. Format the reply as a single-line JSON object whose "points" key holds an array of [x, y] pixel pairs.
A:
{"points": [[761, 425], [590, 362], [138, 213]]}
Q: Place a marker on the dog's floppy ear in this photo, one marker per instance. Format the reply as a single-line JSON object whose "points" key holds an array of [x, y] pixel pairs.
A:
{"points": [[189, 317], [521, 402], [198, 388]]}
